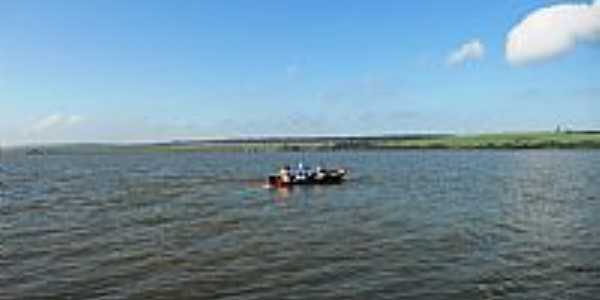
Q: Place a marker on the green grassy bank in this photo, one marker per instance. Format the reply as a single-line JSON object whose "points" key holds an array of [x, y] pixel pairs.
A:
{"points": [[485, 141], [533, 140], [501, 141]]}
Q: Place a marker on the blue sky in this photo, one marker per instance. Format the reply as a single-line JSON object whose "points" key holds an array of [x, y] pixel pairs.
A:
{"points": [[160, 70]]}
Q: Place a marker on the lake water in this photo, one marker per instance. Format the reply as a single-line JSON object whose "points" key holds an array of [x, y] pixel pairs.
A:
{"points": [[406, 225]]}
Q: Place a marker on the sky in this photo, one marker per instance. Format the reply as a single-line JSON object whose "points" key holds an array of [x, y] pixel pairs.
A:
{"points": [[133, 71]]}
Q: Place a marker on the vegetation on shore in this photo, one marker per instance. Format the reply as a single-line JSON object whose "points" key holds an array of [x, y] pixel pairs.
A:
{"points": [[534, 140], [503, 141]]}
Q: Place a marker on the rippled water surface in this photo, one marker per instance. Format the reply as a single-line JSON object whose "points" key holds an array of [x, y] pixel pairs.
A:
{"points": [[407, 225]]}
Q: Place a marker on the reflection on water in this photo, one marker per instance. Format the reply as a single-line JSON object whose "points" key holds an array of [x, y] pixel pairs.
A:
{"points": [[415, 225], [281, 195]]}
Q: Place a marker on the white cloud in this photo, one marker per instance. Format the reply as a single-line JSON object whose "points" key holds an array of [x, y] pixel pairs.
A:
{"points": [[469, 51], [74, 120], [552, 31], [55, 121]]}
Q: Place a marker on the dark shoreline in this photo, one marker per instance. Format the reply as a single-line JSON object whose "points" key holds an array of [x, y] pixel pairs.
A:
{"points": [[497, 141]]}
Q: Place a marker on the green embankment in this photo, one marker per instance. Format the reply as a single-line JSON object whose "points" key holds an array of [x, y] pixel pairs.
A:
{"points": [[539, 140], [484, 141], [502, 141]]}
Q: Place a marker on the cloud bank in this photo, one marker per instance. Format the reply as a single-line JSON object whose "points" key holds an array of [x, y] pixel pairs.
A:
{"points": [[552, 31], [469, 51], [55, 121]]}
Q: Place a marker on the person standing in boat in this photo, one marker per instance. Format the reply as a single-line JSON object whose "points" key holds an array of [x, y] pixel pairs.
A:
{"points": [[284, 174], [303, 172], [319, 173]]}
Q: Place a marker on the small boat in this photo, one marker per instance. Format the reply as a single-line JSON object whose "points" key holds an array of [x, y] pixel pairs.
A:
{"points": [[35, 152], [306, 176]]}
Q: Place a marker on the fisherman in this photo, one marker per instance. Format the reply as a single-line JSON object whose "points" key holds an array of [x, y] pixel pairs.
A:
{"points": [[284, 174], [320, 173], [301, 174]]}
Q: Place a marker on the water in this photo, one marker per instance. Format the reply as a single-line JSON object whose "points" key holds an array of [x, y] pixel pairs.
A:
{"points": [[407, 225]]}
